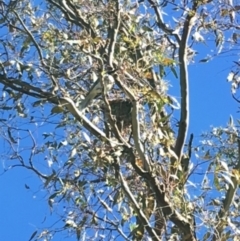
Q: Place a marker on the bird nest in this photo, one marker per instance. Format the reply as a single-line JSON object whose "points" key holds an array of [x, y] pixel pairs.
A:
{"points": [[121, 111]]}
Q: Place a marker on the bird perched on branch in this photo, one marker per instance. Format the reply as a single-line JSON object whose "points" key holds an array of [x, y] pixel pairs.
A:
{"points": [[96, 89]]}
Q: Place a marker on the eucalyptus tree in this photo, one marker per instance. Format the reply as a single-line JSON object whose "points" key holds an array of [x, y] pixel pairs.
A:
{"points": [[85, 83]]}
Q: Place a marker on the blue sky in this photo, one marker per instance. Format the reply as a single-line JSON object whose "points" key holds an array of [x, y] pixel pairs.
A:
{"points": [[211, 102]]}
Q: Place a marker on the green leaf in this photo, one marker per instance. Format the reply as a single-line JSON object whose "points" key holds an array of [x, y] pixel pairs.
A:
{"points": [[224, 165], [33, 235], [228, 179], [56, 110], [219, 37], [70, 223], [173, 102], [162, 71], [49, 179], [174, 72], [207, 156], [46, 135], [51, 198], [117, 197], [206, 236], [216, 182], [37, 103], [207, 59], [231, 123], [146, 28], [86, 137], [62, 143], [71, 42]]}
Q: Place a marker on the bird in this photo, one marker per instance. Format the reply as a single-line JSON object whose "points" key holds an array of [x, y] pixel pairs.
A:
{"points": [[96, 89]]}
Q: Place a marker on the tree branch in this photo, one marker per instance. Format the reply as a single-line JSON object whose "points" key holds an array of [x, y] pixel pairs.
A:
{"points": [[113, 35], [73, 15], [67, 102], [164, 204], [135, 125], [184, 85], [160, 21], [32, 38], [184, 116], [138, 210]]}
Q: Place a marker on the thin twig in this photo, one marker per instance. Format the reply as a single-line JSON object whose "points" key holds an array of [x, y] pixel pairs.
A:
{"points": [[32, 38]]}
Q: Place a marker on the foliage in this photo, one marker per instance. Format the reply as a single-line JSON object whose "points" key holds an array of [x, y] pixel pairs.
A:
{"points": [[122, 167]]}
